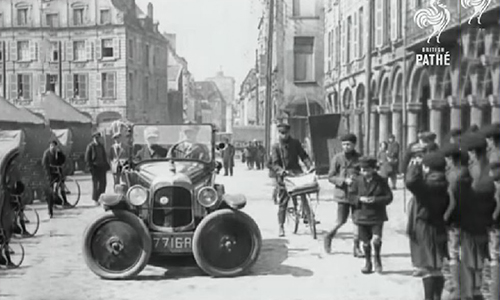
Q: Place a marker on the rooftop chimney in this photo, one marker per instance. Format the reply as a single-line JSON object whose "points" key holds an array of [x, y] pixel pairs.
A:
{"points": [[150, 10]]}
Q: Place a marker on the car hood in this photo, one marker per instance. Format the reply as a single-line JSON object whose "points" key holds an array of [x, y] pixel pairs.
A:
{"points": [[178, 172]]}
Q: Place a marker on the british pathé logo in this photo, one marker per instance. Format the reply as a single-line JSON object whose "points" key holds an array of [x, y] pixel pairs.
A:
{"points": [[434, 56], [436, 16], [479, 7]]}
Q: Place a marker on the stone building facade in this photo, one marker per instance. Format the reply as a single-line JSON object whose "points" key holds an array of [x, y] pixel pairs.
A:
{"points": [[438, 98], [226, 86], [105, 57], [246, 104]]}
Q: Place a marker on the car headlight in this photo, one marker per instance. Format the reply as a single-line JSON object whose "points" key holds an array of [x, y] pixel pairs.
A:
{"points": [[137, 195], [207, 196]]}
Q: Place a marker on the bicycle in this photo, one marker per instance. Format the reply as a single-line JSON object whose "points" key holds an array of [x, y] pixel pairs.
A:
{"points": [[64, 186], [11, 252], [303, 210], [24, 225]]}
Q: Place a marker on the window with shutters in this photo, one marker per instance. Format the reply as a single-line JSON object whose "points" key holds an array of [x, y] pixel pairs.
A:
{"points": [[80, 86], [24, 86], [145, 89], [107, 48], [386, 30], [303, 49], [1, 20], [79, 51], [379, 21], [349, 40], [105, 16], [22, 16], [51, 83], [108, 85], [78, 15], [2, 84], [146, 56], [399, 22], [52, 19], [131, 48], [304, 8], [361, 35], [23, 51], [54, 51]]}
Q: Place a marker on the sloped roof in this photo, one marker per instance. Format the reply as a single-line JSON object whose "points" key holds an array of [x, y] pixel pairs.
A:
{"points": [[56, 109], [208, 90], [173, 72], [10, 113]]}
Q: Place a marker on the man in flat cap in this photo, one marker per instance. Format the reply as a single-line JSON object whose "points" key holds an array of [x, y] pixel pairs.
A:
{"points": [[393, 149], [97, 163], [285, 155], [343, 170], [189, 147], [455, 134], [152, 150], [476, 223], [370, 196], [53, 161]]}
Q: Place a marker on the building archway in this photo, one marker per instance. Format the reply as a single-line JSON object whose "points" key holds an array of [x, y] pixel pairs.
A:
{"points": [[423, 97], [465, 106], [487, 92], [360, 116]]}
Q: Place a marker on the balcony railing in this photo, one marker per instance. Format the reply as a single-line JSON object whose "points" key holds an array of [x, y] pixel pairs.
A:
{"points": [[459, 15]]}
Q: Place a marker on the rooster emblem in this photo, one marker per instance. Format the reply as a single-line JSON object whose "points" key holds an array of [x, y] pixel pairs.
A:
{"points": [[479, 7], [437, 16]]}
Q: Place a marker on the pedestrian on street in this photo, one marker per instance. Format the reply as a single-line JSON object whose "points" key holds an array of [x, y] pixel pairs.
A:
{"points": [[426, 180], [261, 156], [285, 157], [250, 160], [384, 167], [228, 158], [393, 158], [343, 169], [118, 155], [97, 163], [460, 191], [371, 195], [477, 217], [53, 160]]}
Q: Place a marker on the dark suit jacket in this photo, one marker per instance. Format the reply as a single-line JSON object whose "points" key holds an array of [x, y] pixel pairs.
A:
{"points": [[375, 212], [228, 155], [144, 154], [91, 157], [285, 156], [50, 160], [192, 151], [341, 167]]}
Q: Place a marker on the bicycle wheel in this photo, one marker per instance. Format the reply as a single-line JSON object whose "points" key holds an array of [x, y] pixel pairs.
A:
{"points": [[29, 216], [72, 191], [309, 213], [292, 216], [15, 252]]}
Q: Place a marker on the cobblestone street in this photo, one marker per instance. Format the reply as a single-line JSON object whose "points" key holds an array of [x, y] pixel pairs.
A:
{"points": [[294, 267]]}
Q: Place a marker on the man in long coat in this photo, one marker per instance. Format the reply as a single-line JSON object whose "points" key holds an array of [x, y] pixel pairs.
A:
{"points": [[228, 158], [97, 162], [393, 158]]}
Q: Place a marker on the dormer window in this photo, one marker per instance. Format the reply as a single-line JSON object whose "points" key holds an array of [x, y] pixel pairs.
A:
{"points": [[105, 17], [78, 16], [22, 16]]}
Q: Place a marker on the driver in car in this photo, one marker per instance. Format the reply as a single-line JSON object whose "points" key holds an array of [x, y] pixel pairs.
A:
{"points": [[152, 150], [189, 147]]}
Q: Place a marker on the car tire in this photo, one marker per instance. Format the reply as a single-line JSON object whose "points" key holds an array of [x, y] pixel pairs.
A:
{"points": [[220, 229], [130, 221]]}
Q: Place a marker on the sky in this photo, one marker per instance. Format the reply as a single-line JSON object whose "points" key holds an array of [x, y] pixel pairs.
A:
{"points": [[211, 34]]}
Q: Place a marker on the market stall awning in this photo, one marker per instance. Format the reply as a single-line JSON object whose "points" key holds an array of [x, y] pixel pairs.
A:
{"points": [[54, 108]]}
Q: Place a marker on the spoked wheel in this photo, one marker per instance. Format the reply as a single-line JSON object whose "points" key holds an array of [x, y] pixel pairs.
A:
{"points": [[292, 216], [117, 245], [29, 221], [70, 190], [226, 243], [309, 214], [12, 256]]}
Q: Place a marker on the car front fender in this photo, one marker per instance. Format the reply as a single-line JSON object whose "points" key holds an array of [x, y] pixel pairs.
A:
{"points": [[237, 201], [110, 200]]}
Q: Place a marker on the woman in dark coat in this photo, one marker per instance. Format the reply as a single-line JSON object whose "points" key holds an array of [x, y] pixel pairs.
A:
{"points": [[477, 216], [384, 167], [426, 180], [371, 194]]}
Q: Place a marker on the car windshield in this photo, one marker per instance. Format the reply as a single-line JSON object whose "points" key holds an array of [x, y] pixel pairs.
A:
{"points": [[188, 142]]}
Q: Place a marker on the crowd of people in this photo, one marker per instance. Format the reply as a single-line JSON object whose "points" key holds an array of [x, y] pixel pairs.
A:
{"points": [[254, 155], [454, 213]]}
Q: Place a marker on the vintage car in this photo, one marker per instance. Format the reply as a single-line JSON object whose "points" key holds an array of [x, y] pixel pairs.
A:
{"points": [[169, 204]]}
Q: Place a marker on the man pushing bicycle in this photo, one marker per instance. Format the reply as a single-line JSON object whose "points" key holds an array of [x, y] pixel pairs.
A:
{"points": [[285, 156], [53, 161]]}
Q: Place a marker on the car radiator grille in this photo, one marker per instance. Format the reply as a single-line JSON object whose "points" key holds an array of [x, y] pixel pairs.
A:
{"points": [[177, 212]]}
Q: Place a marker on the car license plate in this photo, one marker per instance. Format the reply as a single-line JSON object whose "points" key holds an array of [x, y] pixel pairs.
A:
{"points": [[172, 242]]}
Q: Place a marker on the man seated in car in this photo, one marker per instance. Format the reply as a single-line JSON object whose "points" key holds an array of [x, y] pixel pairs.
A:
{"points": [[152, 150], [189, 147]]}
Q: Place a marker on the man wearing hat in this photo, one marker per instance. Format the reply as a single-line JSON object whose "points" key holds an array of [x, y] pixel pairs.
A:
{"points": [[285, 155], [343, 170], [53, 160], [98, 165], [118, 155], [426, 180], [459, 189], [189, 147], [370, 196], [152, 150], [455, 134], [393, 158], [476, 223], [228, 157]]}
